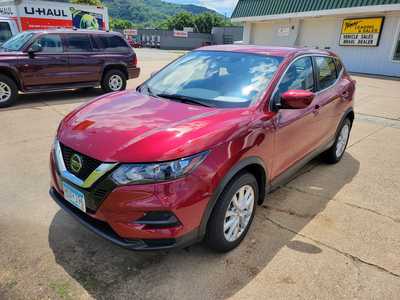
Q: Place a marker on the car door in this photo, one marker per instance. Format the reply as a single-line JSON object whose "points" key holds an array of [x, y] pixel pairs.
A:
{"points": [[296, 130], [47, 67], [327, 98], [84, 65]]}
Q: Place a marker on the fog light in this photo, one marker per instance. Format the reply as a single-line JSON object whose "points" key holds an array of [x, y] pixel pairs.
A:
{"points": [[158, 219]]}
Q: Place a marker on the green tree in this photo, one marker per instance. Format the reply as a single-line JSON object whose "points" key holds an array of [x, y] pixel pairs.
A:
{"points": [[205, 22], [88, 2], [121, 24], [179, 21]]}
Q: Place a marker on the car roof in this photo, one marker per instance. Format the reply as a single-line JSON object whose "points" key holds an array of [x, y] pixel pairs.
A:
{"points": [[65, 30], [266, 50]]}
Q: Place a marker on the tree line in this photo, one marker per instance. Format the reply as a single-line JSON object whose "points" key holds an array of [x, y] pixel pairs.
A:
{"points": [[202, 23]]}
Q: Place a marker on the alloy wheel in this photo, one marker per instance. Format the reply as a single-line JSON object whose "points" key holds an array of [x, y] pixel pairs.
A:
{"points": [[342, 140], [5, 92], [239, 212], [115, 82]]}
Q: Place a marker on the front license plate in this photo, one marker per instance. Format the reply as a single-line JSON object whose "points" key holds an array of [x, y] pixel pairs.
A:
{"points": [[75, 197]]}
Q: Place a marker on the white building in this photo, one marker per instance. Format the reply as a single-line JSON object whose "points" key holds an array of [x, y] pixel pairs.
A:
{"points": [[364, 33]]}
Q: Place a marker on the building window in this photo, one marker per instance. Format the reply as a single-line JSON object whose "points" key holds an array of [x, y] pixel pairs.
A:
{"points": [[396, 55]]}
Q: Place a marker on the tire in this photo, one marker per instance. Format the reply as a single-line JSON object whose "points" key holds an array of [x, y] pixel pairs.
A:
{"points": [[113, 81], [334, 154], [8, 91], [218, 232]]}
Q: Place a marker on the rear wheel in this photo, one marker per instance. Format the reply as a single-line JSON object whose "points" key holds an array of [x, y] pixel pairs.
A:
{"points": [[334, 154], [8, 91], [113, 81], [233, 214]]}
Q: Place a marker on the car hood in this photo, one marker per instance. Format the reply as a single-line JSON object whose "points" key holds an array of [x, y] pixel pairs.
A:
{"points": [[131, 127]]}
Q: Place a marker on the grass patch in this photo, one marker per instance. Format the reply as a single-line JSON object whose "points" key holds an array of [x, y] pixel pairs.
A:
{"points": [[62, 289]]}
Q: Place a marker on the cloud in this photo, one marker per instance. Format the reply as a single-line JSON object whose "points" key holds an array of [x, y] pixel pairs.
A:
{"points": [[220, 5]]}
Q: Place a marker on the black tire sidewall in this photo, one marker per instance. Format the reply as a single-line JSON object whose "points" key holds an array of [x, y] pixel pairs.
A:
{"points": [[105, 83], [14, 91], [215, 237]]}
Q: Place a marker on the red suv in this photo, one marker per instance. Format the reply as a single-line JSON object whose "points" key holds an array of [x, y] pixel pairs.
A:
{"points": [[190, 154], [51, 60]]}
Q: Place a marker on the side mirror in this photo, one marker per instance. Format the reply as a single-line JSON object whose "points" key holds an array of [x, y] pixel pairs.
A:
{"points": [[297, 99], [35, 48]]}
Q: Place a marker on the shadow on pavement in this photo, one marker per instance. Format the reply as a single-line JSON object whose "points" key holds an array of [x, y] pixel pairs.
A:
{"points": [[106, 271]]}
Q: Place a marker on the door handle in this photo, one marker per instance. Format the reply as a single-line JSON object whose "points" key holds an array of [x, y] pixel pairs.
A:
{"points": [[316, 109], [345, 94]]}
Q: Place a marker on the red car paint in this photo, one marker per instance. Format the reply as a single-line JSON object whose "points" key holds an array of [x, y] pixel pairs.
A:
{"points": [[128, 127]]}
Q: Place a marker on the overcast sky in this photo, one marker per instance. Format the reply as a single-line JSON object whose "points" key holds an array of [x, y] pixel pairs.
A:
{"points": [[222, 6]]}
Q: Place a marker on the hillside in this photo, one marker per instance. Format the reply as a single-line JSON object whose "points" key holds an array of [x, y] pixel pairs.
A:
{"points": [[149, 12]]}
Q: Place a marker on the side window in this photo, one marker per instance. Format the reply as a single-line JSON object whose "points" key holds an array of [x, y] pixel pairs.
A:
{"points": [[50, 43], [111, 43], [78, 43], [326, 73], [299, 76], [5, 32], [339, 66]]}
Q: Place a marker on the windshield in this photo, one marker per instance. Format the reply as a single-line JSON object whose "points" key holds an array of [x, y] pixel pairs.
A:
{"points": [[217, 78], [17, 42]]}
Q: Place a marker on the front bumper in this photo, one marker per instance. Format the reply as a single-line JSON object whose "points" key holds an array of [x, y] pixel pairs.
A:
{"points": [[104, 230]]}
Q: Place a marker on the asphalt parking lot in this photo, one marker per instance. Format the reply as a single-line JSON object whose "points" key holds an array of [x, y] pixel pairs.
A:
{"points": [[331, 233]]}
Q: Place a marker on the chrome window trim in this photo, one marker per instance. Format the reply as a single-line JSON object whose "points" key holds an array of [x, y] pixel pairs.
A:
{"points": [[315, 83], [90, 180]]}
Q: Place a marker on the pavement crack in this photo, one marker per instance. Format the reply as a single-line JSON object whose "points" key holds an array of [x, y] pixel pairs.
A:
{"points": [[395, 220], [385, 121], [346, 254], [289, 212], [365, 137]]}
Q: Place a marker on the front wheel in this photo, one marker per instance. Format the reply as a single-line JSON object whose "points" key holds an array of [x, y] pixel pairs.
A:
{"points": [[233, 214], [114, 81], [334, 154]]}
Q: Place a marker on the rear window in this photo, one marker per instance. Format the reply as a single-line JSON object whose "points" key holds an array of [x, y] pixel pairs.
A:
{"points": [[326, 71], [111, 43], [78, 43]]}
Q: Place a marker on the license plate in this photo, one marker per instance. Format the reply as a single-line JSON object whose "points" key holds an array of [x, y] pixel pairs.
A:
{"points": [[75, 197]]}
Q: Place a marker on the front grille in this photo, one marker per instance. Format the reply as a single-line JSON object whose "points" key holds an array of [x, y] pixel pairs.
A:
{"points": [[88, 164]]}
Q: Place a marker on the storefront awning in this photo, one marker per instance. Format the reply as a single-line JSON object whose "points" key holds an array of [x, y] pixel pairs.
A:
{"points": [[259, 10]]}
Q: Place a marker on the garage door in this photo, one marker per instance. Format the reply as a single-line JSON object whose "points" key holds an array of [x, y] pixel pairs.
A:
{"points": [[318, 32]]}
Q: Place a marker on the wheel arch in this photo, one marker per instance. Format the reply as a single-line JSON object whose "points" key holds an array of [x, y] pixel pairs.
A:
{"points": [[253, 165], [12, 74], [121, 67]]}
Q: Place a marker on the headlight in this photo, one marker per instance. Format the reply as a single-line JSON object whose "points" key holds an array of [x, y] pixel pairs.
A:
{"points": [[156, 172]]}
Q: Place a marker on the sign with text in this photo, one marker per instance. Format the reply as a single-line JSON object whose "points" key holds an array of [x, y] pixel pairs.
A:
{"points": [[364, 32], [180, 33], [132, 32]]}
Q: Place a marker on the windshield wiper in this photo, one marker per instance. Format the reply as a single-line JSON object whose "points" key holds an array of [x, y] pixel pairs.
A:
{"points": [[185, 99]]}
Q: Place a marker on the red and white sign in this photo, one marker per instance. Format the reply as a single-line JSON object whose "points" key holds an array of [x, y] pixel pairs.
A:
{"points": [[181, 34], [131, 32]]}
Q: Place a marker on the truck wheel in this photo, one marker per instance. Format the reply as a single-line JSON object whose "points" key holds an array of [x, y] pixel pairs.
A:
{"points": [[233, 214], [8, 91], [114, 81]]}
